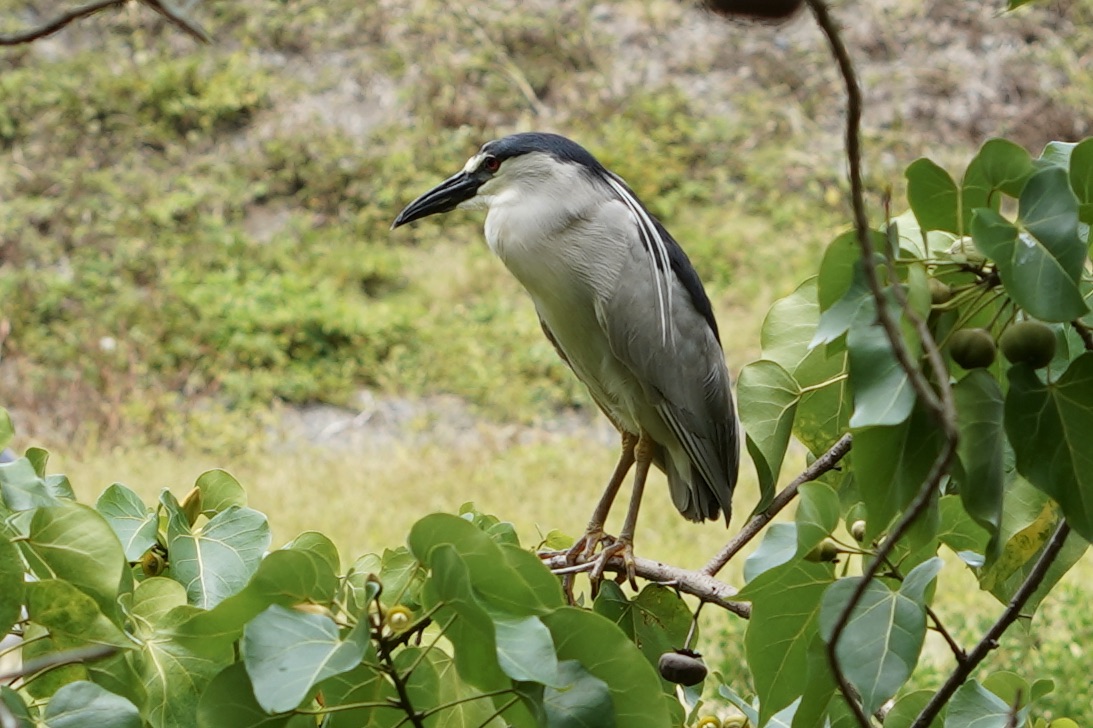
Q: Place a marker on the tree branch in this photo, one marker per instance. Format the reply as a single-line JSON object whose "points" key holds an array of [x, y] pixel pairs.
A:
{"points": [[990, 639], [187, 25], [1084, 332], [751, 529], [940, 404], [695, 583], [58, 23], [57, 659]]}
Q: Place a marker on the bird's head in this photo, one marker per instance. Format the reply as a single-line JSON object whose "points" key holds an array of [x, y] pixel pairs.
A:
{"points": [[513, 165]]}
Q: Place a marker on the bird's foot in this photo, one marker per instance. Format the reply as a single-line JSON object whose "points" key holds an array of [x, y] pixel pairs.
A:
{"points": [[623, 548], [585, 547]]}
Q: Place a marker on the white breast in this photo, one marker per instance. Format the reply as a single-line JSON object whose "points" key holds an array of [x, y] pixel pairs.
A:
{"points": [[568, 253]]}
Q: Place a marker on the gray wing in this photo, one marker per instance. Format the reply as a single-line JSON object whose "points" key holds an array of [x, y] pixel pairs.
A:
{"points": [[681, 369]]}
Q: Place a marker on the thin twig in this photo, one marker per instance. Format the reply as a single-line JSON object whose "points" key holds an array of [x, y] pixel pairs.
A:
{"points": [[1084, 332], [459, 701], [695, 583], [958, 651], [57, 659], [939, 404], [498, 712], [183, 23], [990, 639], [59, 23], [751, 529]]}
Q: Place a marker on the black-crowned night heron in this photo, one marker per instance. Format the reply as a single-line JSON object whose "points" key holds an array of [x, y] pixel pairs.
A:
{"points": [[621, 303]]}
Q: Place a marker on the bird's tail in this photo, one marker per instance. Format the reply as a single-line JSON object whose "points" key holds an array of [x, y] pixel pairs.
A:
{"points": [[692, 495]]}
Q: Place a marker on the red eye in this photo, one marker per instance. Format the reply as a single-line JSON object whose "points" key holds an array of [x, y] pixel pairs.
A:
{"points": [[491, 164]]}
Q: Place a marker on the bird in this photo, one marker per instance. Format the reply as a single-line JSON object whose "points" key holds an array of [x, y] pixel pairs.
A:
{"points": [[623, 307]]}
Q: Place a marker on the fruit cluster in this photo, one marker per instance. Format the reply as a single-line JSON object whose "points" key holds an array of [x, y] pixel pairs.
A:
{"points": [[1025, 342]]}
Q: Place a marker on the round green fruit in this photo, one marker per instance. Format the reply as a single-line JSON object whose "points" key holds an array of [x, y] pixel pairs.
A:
{"points": [[1028, 342], [826, 550], [973, 348], [939, 292]]}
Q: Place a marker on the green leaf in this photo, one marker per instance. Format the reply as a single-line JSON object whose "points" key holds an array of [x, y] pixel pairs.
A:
{"points": [[1028, 521], [824, 410], [1000, 165], [779, 546], [768, 397], [836, 320], [979, 415], [287, 652], [12, 584], [656, 620], [22, 488], [890, 464], [218, 560], [933, 196], [1049, 426], [785, 607], [879, 647], [219, 492], [321, 546], [1056, 154], [1081, 182], [1010, 687], [468, 625], [82, 704], [546, 586], [882, 390], [1040, 263], [38, 459], [228, 702], [906, 710], [958, 530], [973, 706], [817, 515], [133, 522], [153, 600], [525, 650], [585, 702], [77, 545], [285, 577], [15, 705], [362, 684], [604, 651], [7, 428], [70, 613], [500, 586], [837, 269], [175, 673]]}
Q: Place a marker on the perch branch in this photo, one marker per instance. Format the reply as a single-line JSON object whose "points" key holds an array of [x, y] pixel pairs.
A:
{"points": [[695, 583], [751, 529]]}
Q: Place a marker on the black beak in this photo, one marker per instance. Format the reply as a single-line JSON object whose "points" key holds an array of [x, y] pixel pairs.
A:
{"points": [[445, 197]]}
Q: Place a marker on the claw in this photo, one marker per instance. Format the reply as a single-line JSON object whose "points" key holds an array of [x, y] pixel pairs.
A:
{"points": [[623, 548], [585, 547]]}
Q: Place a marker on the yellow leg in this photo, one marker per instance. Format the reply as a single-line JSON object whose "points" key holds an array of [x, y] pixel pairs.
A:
{"points": [[594, 535], [624, 546]]}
